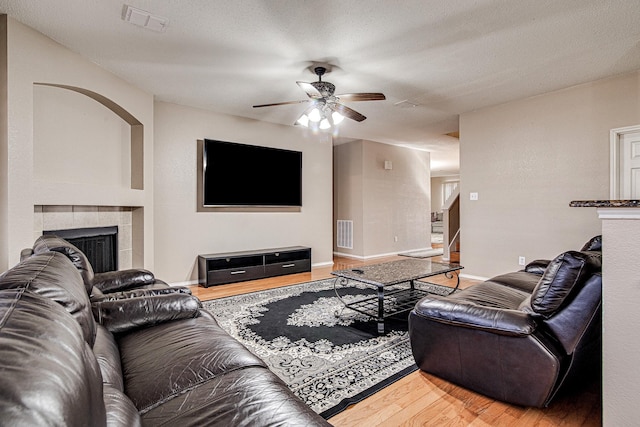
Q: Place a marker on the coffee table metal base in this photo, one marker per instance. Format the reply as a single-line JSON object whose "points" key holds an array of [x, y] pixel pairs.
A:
{"points": [[379, 306]]}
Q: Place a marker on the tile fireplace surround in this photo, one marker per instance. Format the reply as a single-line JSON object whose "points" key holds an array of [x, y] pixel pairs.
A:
{"points": [[67, 217]]}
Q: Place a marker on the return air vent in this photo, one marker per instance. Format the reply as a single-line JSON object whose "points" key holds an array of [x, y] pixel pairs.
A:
{"points": [[345, 234], [144, 19]]}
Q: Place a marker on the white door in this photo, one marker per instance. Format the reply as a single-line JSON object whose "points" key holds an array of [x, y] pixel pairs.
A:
{"points": [[630, 166]]}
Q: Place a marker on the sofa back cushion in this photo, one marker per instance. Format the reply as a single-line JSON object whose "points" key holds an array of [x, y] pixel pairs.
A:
{"points": [[53, 276], [50, 376], [594, 244], [563, 277], [48, 243]]}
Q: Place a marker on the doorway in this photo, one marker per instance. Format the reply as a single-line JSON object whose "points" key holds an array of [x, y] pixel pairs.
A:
{"points": [[625, 163]]}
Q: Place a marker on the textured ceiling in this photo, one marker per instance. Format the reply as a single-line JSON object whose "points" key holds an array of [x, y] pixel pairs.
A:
{"points": [[446, 57]]}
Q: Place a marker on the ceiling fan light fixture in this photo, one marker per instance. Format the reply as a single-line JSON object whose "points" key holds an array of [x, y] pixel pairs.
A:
{"points": [[336, 117], [324, 124], [315, 115]]}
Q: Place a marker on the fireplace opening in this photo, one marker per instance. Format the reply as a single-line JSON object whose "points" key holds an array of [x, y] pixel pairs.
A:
{"points": [[99, 244]]}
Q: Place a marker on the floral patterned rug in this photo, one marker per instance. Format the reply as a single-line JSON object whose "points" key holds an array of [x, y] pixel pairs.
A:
{"points": [[329, 357]]}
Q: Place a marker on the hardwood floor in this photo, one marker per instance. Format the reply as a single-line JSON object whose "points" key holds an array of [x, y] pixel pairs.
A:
{"points": [[421, 399]]}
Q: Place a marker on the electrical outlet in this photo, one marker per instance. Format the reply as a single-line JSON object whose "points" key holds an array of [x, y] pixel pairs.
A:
{"points": [[473, 196], [521, 260]]}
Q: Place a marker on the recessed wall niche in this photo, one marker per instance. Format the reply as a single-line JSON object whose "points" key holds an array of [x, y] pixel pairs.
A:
{"points": [[82, 136]]}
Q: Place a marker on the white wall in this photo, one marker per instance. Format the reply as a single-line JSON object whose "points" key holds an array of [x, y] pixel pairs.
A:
{"points": [[527, 160], [181, 233], [33, 58]]}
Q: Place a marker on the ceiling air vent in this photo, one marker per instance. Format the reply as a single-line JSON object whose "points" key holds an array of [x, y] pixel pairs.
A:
{"points": [[144, 19]]}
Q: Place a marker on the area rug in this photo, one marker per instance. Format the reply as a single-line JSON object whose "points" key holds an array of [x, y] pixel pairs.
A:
{"points": [[329, 361], [427, 253]]}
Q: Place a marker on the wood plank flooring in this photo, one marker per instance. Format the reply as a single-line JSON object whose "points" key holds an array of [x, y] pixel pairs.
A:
{"points": [[421, 399]]}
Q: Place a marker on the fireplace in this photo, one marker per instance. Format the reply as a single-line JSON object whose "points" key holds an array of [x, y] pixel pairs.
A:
{"points": [[99, 244]]}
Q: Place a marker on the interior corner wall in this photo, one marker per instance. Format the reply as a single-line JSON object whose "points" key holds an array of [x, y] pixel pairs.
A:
{"points": [[33, 58], [347, 194], [390, 208], [182, 233], [4, 135], [527, 160]]}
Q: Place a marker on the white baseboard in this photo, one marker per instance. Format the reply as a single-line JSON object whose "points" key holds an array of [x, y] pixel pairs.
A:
{"points": [[187, 283], [471, 277], [322, 264]]}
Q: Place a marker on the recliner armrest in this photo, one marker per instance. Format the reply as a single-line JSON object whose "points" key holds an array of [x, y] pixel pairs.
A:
{"points": [[470, 315], [136, 293], [113, 281], [122, 315]]}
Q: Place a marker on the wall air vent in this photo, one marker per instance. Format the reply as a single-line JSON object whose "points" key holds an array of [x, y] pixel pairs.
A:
{"points": [[144, 19], [345, 234]]}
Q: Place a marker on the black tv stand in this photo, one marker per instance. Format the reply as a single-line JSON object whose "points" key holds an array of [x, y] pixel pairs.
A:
{"points": [[230, 267]]}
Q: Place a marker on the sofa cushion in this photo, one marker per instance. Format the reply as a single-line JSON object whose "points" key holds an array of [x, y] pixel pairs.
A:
{"points": [[49, 242], [52, 275], [165, 361], [120, 315], [108, 355], [522, 280], [564, 275], [120, 409], [49, 374]]}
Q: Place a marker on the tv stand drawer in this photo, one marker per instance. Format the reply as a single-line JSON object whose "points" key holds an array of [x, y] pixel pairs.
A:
{"points": [[217, 277], [291, 267]]}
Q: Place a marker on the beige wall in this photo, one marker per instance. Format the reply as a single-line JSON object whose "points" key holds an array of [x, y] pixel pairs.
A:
{"points": [[348, 193], [4, 148], [34, 58], [182, 233], [527, 160], [390, 208]]}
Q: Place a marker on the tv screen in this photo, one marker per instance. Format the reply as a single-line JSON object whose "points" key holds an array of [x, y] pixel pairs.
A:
{"points": [[249, 175]]}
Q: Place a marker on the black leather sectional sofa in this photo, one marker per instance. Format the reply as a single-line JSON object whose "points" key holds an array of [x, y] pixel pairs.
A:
{"points": [[124, 349], [518, 337]]}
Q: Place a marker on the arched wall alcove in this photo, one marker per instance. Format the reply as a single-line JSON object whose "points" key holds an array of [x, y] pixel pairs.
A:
{"points": [[136, 129]]}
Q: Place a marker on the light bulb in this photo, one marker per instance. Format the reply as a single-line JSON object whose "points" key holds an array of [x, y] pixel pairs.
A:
{"points": [[324, 124], [314, 115], [303, 120], [337, 117]]}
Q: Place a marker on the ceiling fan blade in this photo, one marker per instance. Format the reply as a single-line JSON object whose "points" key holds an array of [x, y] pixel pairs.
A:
{"points": [[361, 97], [347, 112], [281, 103], [311, 91]]}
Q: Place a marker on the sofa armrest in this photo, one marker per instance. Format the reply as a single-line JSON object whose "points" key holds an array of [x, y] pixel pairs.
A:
{"points": [[135, 293], [122, 315], [25, 253], [469, 315], [537, 266], [113, 281]]}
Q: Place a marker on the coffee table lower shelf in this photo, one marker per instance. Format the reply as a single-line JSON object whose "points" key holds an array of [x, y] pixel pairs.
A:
{"points": [[401, 300]]}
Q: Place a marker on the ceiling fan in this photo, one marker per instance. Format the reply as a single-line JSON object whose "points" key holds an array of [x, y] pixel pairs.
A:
{"points": [[325, 107]]}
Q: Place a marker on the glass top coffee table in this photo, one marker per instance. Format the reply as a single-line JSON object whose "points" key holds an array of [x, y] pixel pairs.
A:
{"points": [[389, 302]]}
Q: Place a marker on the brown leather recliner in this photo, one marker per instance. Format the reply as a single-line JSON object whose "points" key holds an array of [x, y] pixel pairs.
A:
{"points": [[520, 336]]}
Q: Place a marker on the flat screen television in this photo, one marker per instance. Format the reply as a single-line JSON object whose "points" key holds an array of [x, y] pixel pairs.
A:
{"points": [[248, 175]]}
